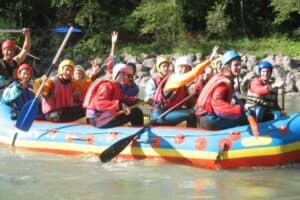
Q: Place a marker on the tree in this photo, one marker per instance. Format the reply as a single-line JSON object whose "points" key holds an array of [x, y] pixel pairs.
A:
{"points": [[284, 9], [163, 19], [217, 21]]}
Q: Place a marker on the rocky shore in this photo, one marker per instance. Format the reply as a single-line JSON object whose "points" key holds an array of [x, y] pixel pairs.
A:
{"points": [[285, 68]]}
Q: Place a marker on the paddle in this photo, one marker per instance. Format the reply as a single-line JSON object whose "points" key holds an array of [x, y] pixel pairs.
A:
{"points": [[10, 30], [106, 117], [120, 145], [64, 30], [56, 30], [252, 123], [29, 110], [251, 120]]}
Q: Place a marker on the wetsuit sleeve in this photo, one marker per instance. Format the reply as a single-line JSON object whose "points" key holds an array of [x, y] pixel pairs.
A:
{"points": [[176, 81]]}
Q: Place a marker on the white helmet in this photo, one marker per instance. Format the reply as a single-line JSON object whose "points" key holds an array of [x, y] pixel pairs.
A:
{"points": [[184, 60], [121, 67]]}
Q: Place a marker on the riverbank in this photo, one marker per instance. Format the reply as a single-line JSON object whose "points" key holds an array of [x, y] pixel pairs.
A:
{"points": [[285, 68]]}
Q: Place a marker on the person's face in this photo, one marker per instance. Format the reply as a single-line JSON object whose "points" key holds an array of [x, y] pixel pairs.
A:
{"points": [[265, 74], [184, 69], [208, 73], [235, 67], [8, 53], [25, 76], [67, 72], [123, 78], [78, 74], [164, 68]]}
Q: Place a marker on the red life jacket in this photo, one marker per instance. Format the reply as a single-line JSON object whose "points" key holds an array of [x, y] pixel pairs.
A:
{"points": [[60, 96], [203, 104], [92, 102], [170, 99]]}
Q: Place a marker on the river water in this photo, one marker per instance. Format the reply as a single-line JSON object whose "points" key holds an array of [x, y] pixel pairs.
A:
{"points": [[31, 176]]}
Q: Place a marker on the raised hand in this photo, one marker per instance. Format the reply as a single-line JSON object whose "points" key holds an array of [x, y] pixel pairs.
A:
{"points": [[214, 53], [25, 31], [114, 36]]}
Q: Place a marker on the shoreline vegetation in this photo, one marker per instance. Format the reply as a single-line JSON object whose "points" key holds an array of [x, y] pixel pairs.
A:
{"points": [[261, 47]]}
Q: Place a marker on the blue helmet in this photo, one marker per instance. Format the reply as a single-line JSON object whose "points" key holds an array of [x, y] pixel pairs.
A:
{"points": [[229, 56], [264, 64]]}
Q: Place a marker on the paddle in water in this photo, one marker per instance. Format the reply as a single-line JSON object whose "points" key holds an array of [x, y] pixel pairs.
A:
{"points": [[30, 109], [120, 145]]}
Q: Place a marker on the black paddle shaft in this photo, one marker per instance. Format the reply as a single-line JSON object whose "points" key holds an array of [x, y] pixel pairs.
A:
{"points": [[117, 147]]}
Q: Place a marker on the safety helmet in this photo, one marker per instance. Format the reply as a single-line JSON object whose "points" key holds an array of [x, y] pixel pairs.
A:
{"points": [[216, 63], [24, 66], [161, 60], [184, 60], [80, 68], [62, 64], [264, 64], [229, 56], [8, 44], [121, 67]]}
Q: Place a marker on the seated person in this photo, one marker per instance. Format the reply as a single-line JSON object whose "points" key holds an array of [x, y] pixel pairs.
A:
{"points": [[130, 88], [105, 98], [80, 84], [261, 98], [162, 101], [20, 91], [57, 95], [214, 108]]}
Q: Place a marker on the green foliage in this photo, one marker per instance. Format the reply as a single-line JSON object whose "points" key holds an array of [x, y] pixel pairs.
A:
{"points": [[163, 19], [94, 45], [217, 22], [158, 26], [60, 3], [284, 8]]}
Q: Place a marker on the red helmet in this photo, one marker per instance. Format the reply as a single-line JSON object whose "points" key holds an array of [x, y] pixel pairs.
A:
{"points": [[8, 44], [24, 66]]}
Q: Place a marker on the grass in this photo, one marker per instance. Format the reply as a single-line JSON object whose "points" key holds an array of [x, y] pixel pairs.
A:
{"points": [[261, 47]]}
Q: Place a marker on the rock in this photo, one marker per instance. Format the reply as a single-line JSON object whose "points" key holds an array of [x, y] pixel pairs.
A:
{"points": [[286, 63], [297, 85], [149, 62], [251, 62], [246, 80]]}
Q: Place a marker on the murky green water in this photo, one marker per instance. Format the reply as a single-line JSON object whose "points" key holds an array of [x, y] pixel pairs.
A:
{"points": [[30, 176]]}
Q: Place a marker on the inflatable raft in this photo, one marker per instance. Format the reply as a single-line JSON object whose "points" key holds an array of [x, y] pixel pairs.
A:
{"points": [[278, 142]]}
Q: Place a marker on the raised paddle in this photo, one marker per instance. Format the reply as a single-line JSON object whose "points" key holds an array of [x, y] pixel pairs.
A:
{"points": [[30, 109], [10, 30], [120, 145], [106, 117]]}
